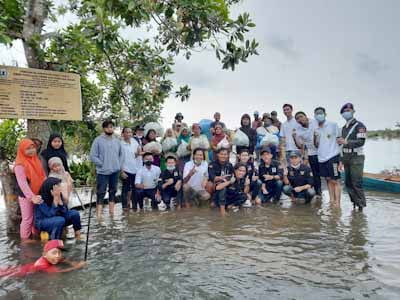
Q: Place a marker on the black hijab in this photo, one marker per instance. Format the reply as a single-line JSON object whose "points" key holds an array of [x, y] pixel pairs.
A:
{"points": [[45, 190], [250, 132], [50, 152]]}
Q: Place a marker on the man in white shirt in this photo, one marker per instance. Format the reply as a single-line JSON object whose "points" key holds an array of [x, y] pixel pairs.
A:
{"points": [[130, 151], [325, 139], [304, 139], [195, 177], [287, 129], [146, 182]]}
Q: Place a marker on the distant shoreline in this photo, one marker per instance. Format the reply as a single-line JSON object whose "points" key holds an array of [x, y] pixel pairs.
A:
{"points": [[385, 133]]}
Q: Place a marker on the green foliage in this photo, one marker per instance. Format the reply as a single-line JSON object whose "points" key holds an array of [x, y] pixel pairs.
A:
{"points": [[122, 79], [11, 131], [11, 20], [83, 173]]}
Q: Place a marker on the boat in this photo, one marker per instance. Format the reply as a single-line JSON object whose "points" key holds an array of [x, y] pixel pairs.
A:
{"points": [[381, 182], [80, 197]]}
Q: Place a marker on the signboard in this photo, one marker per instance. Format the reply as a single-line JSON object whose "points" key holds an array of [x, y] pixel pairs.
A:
{"points": [[27, 93]]}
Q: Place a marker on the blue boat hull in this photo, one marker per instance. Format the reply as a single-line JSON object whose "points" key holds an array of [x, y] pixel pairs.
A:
{"points": [[377, 184]]}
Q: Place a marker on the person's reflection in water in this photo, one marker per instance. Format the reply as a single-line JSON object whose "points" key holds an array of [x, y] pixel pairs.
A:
{"points": [[356, 238]]}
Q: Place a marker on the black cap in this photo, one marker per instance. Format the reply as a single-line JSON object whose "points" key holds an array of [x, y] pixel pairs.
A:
{"points": [[139, 127], [265, 149], [295, 153], [347, 105]]}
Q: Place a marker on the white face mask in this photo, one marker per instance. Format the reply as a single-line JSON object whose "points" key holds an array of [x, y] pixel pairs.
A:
{"points": [[320, 117], [296, 166]]}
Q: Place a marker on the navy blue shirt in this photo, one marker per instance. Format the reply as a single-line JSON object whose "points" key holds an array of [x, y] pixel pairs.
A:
{"points": [[300, 176]]}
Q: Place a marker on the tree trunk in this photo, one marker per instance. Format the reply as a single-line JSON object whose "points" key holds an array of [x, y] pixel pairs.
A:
{"points": [[35, 16]]}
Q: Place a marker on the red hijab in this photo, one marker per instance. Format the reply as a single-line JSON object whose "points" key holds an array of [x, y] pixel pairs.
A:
{"points": [[218, 137], [32, 166]]}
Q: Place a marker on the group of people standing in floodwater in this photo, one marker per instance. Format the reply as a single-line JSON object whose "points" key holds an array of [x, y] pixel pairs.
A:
{"points": [[189, 166]]}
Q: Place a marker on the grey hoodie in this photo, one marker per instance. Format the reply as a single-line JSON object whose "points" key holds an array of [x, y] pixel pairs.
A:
{"points": [[106, 154]]}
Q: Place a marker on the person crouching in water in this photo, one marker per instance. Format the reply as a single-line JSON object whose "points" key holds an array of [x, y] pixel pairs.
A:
{"points": [[271, 175], [52, 215], [233, 190], [218, 171], [195, 178], [299, 179], [146, 182], [171, 183], [51, 257], [251, 173]]}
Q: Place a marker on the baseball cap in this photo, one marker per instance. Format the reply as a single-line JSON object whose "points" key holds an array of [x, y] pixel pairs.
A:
{"points": [[265, 149], [295, 153], [53, 244]]}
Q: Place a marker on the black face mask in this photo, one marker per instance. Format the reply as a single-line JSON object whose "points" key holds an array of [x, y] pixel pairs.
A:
{"points": [[148, 162], [108, 133]]}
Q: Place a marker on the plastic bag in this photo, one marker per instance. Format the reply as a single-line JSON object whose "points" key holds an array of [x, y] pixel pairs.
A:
{"points": [[240, 139], [199, 142], [155, 126], [205, 125], [224, 143], [183, 149], [269, 139], [153, 147], [262, 131], [169, 143]]}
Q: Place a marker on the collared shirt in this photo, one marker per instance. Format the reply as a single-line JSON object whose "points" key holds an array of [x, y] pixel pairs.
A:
{"points": [[197, 179], [235, 188], [300, 176], [287, 133], [356, 138], [306, 136], [216, 169], [174, 174], [328, 146], [129, 159], [272, 169], [148, 177]]}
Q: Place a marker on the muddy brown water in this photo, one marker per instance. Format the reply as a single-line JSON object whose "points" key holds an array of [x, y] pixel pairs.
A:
{"points": [[274, 252]]}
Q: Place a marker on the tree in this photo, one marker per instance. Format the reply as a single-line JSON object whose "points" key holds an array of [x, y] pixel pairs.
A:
{"points": [[123, 79]]}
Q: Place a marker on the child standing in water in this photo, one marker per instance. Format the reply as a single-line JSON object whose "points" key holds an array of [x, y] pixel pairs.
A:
{"points": [[51, 257]]}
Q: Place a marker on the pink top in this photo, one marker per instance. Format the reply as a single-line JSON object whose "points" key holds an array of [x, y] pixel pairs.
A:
{"points": [[23, 182]]}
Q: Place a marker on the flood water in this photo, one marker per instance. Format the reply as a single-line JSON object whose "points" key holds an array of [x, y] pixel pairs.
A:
{"points": [[274, 252]]}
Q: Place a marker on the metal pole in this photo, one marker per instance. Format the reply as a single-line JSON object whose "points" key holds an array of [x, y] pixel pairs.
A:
{"points": [[88, 228]]}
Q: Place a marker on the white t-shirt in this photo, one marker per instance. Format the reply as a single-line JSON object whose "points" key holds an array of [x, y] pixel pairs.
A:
{"points": [[328, 146], [306, 136], [148, 177], [287, 131], [129, 159], [195, 182]]}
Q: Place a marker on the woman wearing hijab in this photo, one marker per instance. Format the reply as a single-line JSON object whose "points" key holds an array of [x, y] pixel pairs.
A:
{"points": [[245, 123], [218, 137], [57, 171], [55, 148], [30, 175], [52, 215], [184, 135], [151, 137]]}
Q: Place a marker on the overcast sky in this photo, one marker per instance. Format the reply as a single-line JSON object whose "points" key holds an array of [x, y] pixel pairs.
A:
{"points": [[312, 53]]}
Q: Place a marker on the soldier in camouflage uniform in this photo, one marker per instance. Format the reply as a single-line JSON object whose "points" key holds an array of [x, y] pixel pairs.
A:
{"points": [[353, 138]]}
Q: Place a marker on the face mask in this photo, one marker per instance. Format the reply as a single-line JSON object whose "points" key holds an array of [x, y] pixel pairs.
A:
{"points": [[148, 162], [320, 117], [170, 168], [109, 134], [347, 115], [139, 136]]}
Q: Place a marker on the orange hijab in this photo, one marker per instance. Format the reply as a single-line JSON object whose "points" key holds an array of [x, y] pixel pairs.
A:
{"points": [[32, 165]]}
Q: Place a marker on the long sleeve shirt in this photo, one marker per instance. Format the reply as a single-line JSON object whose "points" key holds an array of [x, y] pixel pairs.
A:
{"points": [[106, 153], [23, 184]]}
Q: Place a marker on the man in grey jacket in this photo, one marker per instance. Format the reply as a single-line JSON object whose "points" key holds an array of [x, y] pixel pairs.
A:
{"points": [[106, 154]]}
